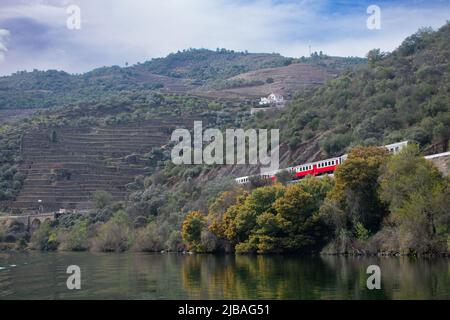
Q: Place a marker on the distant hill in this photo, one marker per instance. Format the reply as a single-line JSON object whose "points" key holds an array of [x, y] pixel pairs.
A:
{"points": [[190, 71], [203, 64]]}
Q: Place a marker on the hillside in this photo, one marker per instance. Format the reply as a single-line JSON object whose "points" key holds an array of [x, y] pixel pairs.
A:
{"points": [[403, 95], [397, 96], [63, 156], [284, 80], [118, 142], [190, 71]]}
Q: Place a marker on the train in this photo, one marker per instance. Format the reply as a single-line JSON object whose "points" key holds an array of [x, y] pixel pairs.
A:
{"points": [[317, 168]]}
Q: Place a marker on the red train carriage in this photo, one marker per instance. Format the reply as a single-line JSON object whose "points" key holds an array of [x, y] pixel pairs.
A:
{"points": [[318, 168]]}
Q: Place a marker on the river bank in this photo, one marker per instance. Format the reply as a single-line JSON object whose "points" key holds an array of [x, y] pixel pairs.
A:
{"points": [[21, 248]]}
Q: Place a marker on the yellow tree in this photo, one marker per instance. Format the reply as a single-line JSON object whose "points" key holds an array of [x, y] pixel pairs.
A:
{"points": [[191, 230]]}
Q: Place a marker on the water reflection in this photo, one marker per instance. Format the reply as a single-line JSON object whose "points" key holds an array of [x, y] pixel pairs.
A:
{"points": [[177, 276]]}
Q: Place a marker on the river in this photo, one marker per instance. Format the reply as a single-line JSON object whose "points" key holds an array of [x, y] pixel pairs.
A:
{"points": [[36, 275]]}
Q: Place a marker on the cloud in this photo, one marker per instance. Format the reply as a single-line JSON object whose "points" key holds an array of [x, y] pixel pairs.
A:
{"points": [[4, 34], [117, 31]]}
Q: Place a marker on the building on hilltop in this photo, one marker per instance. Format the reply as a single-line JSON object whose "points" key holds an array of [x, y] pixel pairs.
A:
{"points": [[273, 98], [273, 101]]}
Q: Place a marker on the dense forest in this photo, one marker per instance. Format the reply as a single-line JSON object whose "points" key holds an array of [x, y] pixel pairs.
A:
{"points": [[375, 203]]}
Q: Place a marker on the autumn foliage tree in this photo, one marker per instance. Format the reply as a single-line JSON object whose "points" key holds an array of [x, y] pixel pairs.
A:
{"points": [[191, 230], [273, 218]]}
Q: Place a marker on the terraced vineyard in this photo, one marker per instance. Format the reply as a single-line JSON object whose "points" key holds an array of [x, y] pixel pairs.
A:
{"points": [[65, 166]]}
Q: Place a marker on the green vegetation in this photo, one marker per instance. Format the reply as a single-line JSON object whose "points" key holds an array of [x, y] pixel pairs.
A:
{"points": [[203, 64], [11, 179], [403, 95], [376, 203], [237, 83], [419, 199]]}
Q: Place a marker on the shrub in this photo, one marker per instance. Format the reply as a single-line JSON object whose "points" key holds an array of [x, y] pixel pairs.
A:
{"points": [[147, 239], [115, 235], [76, 238], [44, 238]]}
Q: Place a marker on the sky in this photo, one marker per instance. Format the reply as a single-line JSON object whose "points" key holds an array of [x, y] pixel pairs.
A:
{"points": [[47, 34]]}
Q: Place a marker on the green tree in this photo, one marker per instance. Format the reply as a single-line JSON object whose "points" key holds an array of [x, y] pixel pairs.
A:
{"points": [[284, 176], [45, 238], [419, 198], [75, 239], [101, 199], [354, 198]]}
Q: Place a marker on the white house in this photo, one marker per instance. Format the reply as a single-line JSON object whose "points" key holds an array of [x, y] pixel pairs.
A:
{"points": [[264, 101], [273, 98]]}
